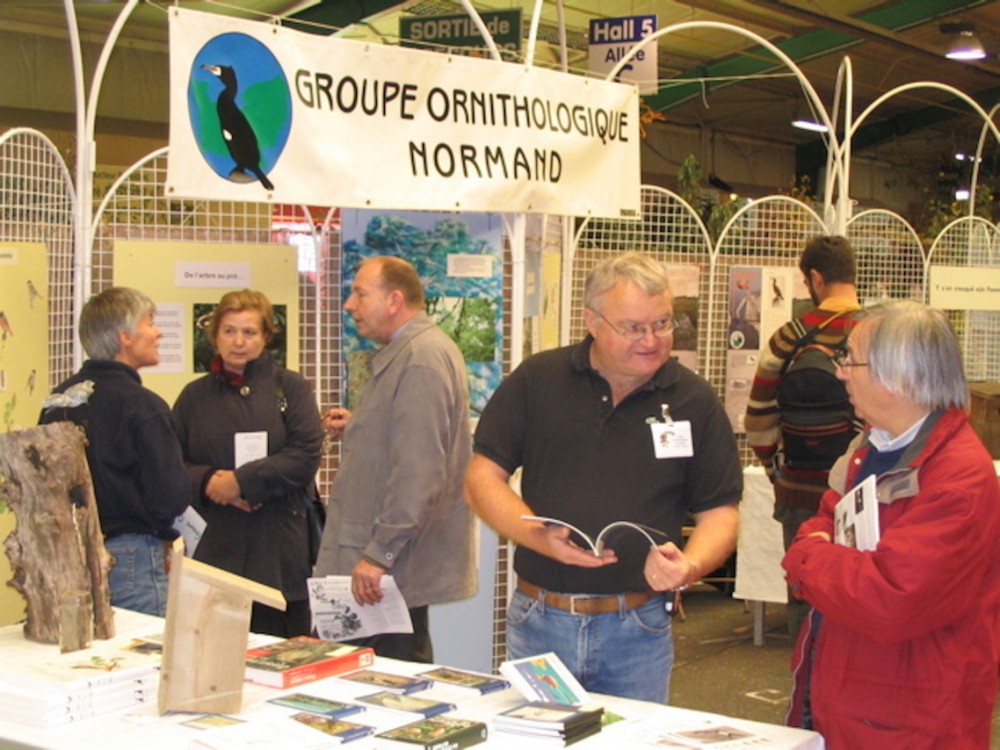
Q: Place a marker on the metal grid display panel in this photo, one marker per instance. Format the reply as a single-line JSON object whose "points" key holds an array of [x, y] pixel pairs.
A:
{"points": [[136, 209], [890, 257], [536, 238], [669, 230], [36, 205], [768, 232], [972, 242]]}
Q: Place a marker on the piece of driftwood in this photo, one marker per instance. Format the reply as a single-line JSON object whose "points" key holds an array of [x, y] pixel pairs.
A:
{"points": [[205, 641], [57, 546]]}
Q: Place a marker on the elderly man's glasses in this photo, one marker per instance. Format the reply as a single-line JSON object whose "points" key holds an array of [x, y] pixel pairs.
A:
{"points": [[843, 359], [637, 331]]}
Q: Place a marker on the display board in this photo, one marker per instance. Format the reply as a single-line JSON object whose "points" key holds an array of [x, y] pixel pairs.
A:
{"points": [[459, 260], [24, 369], [187, 279]]}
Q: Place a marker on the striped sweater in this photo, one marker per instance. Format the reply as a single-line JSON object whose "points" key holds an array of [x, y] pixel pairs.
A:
{"points": [[799, 489]]}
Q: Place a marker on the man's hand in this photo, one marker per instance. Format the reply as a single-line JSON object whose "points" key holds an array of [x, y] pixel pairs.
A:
{"points": [[335, 421], [554, 541], [667, 568], [366, 582]]}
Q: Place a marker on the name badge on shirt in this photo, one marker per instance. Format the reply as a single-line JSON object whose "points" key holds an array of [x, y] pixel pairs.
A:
{"points": [[672, 439], [249, 446]]}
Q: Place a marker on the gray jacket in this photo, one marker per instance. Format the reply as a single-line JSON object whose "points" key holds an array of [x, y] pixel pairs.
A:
{"points": [[397, 498]]}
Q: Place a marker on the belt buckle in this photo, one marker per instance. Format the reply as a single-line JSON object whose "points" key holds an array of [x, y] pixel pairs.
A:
{"points": [[572, 603]]}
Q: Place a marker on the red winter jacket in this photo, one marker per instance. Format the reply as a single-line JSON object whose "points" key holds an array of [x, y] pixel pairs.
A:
{"points": [[905, 654]]}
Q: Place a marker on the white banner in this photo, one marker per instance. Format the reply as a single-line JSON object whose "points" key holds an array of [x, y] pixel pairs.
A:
{"points": [[263, 113]]}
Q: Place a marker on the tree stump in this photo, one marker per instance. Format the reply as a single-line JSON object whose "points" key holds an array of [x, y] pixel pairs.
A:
{"points": [[57, 546]]}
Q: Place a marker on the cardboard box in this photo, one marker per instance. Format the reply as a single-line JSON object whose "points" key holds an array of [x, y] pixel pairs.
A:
{"points": [[985, 414]]}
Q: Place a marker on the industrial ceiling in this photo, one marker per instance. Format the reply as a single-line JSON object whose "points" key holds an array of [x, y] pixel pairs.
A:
{"points": [[709, 79]]}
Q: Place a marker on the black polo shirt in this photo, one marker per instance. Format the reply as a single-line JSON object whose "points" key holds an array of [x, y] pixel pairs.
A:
{"points": [[590, 463]]}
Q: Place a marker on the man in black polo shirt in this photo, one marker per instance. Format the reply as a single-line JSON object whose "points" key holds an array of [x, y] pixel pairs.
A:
{"points": [[607, 430]]}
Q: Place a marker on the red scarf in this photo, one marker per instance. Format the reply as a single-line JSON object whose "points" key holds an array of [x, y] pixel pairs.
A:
{"points": [[235, 379]]}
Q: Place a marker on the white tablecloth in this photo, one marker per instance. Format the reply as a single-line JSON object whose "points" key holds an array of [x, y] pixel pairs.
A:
{"points": [[143, 728], [759, 576]]}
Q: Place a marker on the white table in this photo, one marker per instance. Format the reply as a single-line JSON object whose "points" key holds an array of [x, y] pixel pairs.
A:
{"points": [[143, 728], [759, 576]]}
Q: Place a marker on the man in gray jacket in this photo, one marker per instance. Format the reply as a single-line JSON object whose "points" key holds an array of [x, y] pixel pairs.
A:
{"points": [[396, 506]]}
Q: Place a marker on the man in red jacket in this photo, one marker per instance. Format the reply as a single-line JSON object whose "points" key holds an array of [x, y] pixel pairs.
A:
{"points": [[901, 648]]}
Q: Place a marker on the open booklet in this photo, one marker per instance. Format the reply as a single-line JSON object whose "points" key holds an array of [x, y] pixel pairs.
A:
{"points": [[597, 545], [855, 517]]}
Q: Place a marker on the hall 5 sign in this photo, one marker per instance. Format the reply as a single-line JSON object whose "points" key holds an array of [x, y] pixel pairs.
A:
{"points": [[611, 39]]}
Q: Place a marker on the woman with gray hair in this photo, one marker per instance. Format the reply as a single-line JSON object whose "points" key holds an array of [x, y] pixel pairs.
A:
{"points": [[140, 481], [901, 648]]}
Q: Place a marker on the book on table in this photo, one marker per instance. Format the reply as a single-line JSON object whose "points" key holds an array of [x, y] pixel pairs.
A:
{"points": [[435, 733], [596, 544], [551, 718], [336, 730], [295, 661], [558, 723], [481, 683], [395, 701], [42, 687], [316, 705], [388, 681], [544, 678]]}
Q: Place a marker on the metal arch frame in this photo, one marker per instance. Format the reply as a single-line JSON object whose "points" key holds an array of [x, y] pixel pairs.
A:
{"points": [[9, 135], [570, 253], [857, 218], [835, 151]]}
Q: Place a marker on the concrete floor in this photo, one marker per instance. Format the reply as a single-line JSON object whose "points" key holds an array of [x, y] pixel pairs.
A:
{"points": [[717, 668]]}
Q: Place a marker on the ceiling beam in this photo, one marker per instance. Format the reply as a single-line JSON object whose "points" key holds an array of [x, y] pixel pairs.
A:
{"points": [[821, 41], [811, 157]]}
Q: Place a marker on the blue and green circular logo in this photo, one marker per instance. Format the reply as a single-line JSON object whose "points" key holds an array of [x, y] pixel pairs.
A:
{"points": [[240, 107]]}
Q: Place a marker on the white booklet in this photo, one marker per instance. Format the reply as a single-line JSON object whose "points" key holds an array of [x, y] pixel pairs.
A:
{"points": [[338, 617], [855, 517], [597, 545], [544, 678]]}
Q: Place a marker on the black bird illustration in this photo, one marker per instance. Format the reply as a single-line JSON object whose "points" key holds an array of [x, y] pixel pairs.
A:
{"points": [[236, 130], [778, 294]]}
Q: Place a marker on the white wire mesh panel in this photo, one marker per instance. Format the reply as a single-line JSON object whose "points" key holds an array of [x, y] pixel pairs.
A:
{"points": [[971, 242], [136, 209], [890, 257], [768, 232], [36, 205], [542, 233], [669, 230]]}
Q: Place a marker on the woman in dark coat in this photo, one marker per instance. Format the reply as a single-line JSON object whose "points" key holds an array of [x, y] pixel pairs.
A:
{"points": [[252, 438]]}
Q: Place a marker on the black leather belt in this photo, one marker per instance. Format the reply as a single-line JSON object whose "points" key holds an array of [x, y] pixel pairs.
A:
{"points": [[587, 604]]}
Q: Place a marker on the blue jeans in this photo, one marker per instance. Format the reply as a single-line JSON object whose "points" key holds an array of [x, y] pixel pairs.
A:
{"points": [[138, 579], [628, 653]]}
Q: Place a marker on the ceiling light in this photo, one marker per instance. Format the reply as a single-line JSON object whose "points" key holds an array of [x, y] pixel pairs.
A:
{"points": [[965, 46], [806, 123]]}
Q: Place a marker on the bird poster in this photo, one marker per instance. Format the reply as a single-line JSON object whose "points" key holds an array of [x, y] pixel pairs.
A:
{"points": [[761, 300], [459, 260], [24, 368]]}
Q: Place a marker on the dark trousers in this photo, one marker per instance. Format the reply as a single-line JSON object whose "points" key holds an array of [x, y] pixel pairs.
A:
{"points": [[294, 621], [415, 646]]}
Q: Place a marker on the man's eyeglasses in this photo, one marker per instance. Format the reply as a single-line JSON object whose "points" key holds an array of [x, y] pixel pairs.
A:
{"points": [[637, 331], [843, 359]]}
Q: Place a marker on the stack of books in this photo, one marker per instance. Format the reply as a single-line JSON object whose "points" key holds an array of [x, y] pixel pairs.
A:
{"points": [[44, 688], [296, 661], [556, 722]]}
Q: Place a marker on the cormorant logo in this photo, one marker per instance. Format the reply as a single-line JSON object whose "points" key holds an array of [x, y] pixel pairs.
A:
{"points": [[240, 106]]}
